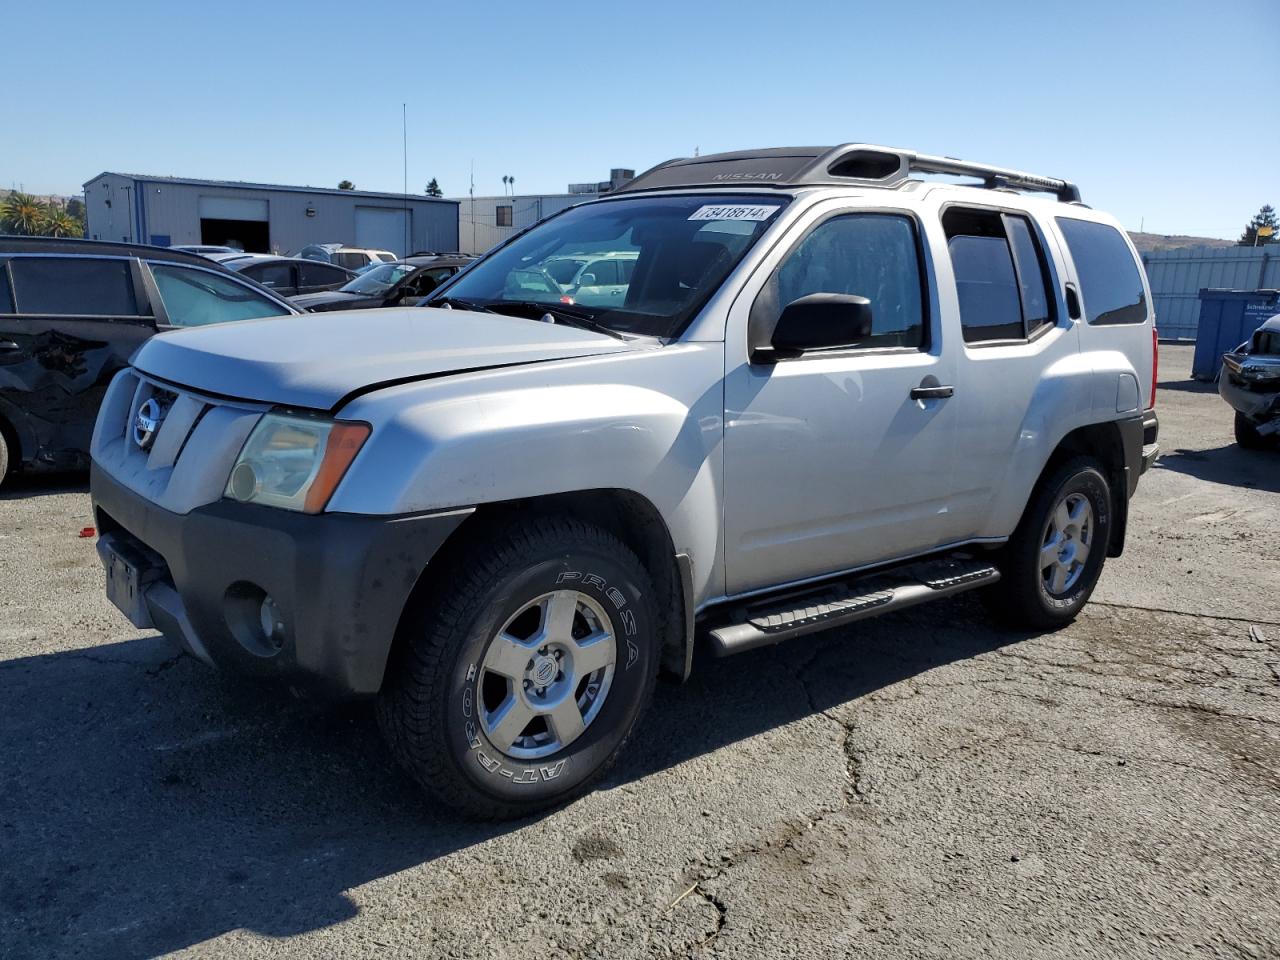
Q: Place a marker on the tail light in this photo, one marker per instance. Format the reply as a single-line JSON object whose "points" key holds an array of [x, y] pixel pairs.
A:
{"points": [[1155, 364]]}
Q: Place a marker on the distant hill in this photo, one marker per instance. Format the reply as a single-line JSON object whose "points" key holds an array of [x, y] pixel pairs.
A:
{"points": [[1154, 242]]}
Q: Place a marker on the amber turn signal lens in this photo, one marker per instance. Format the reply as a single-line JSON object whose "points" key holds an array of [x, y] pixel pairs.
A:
{"points": [[344, 442]]}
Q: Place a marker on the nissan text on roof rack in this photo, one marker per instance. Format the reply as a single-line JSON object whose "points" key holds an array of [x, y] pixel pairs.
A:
{"points": [[820, 387]]}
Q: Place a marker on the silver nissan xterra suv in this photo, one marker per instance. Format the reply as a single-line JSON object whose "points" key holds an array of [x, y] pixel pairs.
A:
{"points": [[832, 388]]}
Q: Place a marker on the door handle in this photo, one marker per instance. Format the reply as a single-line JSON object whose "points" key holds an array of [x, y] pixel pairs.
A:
{"points": [[8, 346], [932, 393]]}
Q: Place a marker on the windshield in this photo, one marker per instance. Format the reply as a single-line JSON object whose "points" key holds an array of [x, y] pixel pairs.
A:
{"points": [[642, 265], [378, 280]]}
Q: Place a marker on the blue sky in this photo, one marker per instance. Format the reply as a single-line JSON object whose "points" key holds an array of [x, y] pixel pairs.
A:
{"points": [[1164, 112]]}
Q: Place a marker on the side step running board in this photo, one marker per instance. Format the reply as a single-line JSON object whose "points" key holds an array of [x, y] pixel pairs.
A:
{"points": [[778, 620]]}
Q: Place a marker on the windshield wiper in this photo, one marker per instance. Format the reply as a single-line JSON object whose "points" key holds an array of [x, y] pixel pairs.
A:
{"points": [[559, 313], [449, 303]]}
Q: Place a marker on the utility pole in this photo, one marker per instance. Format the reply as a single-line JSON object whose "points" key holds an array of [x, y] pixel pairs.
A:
{"points": [[473, 204], [404, 136]]}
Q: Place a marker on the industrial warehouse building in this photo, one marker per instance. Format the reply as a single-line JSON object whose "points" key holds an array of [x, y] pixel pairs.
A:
{"points": [[484, 222], [263, 218]]}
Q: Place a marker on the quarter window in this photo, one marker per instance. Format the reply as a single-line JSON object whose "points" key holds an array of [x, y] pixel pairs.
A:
{"points": [[193, 298], [1110, 283], [865, 255], [1001, 280], [75, 286]]}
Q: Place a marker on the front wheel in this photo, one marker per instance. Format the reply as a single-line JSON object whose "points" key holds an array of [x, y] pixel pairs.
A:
{"points": [[1247, 435], [520, 681], [1052, 562]]}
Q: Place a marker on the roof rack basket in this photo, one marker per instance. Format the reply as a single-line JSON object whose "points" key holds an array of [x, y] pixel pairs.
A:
{"points": [[851, 163]]}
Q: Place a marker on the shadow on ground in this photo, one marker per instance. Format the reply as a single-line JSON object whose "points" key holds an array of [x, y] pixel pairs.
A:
{"points": [[1231, 465], [147, 804], [22, 486]]}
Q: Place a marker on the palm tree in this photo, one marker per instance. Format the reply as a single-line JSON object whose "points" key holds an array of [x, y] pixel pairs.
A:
{"points": [[57, 221], [21, 213]]}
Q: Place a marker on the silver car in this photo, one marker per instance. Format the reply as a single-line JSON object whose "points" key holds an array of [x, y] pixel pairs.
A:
{"points": [[827, 388]]}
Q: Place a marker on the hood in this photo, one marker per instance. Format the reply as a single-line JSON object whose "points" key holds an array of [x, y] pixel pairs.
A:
{"points": [[332, 300], [317, 359]]}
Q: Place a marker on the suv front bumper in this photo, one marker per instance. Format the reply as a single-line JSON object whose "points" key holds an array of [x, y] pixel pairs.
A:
{"points": [[337, 582]]}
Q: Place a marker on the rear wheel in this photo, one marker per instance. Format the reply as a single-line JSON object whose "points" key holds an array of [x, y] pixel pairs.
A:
{"points": [[520, 682], [1054, 558], [1247, 434]]}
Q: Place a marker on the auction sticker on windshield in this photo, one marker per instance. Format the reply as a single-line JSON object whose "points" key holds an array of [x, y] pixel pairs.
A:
{"points": [[727, 211]]}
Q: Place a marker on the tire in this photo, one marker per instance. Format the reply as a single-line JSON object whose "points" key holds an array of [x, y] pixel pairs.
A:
{"points": [[1036, 597], [6, 458], [453, 680], [1247, 435]]}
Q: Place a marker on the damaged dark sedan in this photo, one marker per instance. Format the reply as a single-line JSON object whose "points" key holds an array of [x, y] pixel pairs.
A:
{"points": [[1250, 382], [72, 313]]}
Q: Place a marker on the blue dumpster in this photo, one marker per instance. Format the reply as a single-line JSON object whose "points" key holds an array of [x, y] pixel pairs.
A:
{"points": [[1227, 319]]}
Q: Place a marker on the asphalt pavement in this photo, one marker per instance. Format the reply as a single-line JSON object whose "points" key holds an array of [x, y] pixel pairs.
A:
{"points": [[924, 785]]}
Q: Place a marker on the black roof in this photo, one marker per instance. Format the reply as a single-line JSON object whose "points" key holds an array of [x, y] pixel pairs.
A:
{"points": [[106, 248], [860, 164]]}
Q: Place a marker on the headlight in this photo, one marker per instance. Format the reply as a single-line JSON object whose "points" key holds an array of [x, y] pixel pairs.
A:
{"points": [[294, 462]]}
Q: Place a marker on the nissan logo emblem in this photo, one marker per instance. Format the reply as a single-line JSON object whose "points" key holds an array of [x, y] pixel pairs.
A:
{"points": [[146, 423]]}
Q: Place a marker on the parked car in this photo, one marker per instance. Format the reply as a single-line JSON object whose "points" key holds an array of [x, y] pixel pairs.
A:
{"points": [[832, 390], [1250, 382], [289, 276], [72, 313], [398, 284], [592, 280], [204, 249], [351, 257]]}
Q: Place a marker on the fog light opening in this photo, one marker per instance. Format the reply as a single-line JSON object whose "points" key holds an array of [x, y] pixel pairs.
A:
{"points": [[271, 620], [255, 619]]}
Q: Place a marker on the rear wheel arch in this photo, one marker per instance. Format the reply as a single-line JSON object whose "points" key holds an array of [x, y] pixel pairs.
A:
{"points": [[1104, 443], [629, 516]]}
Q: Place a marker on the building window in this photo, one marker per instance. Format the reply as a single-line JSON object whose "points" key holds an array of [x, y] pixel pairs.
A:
{"points": [[504, 216]]}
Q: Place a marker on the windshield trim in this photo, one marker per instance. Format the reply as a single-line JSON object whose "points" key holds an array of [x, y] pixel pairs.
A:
{"points": [[785, 198]]}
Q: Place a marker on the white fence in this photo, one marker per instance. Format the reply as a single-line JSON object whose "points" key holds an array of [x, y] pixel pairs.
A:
{"points": [[1178, 276]]}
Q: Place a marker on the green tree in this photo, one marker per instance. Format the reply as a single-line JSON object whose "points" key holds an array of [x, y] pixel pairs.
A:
{"points": [[21, 213], [75, 207], [1266, 217], [433, 189], [56, 221], [346, 185]]}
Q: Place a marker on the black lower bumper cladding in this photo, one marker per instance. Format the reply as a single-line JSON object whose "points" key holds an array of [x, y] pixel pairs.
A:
{"points": [[337, 583]]}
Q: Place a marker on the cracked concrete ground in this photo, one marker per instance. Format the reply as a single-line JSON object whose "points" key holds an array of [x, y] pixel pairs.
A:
{"points": [[919, 786]]}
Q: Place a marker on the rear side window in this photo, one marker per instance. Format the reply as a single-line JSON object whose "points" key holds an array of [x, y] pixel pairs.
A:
{"points": [[193, 298], [1110, 284], [6, 298], [319, 274], [273, 275], [1001, 279], [74, 286], [866, 255]]}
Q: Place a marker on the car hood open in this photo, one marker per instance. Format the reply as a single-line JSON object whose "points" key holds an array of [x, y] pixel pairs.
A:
{"points": [[317, 360]]}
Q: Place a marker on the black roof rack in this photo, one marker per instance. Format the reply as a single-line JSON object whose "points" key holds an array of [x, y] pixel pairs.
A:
{"points": [[861, 164]]}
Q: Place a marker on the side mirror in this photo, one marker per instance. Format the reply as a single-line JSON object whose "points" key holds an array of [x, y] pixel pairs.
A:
{"points": [[587, 280], [821, 320]]}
